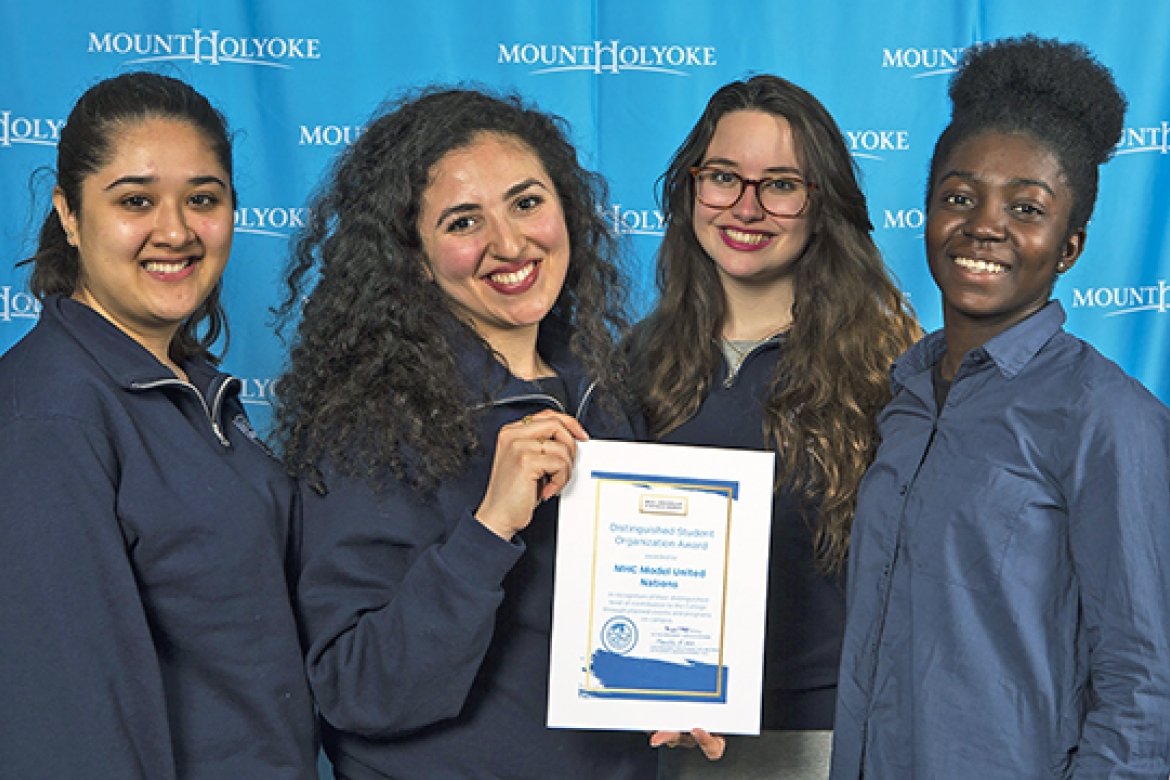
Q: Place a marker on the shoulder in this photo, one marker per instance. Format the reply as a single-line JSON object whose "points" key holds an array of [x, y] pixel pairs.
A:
{"points": [[1098, 381], [47, 374], [1102, 400]]}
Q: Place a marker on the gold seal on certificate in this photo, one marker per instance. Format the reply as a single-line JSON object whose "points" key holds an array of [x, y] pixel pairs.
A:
{"points": [[661, 579]]}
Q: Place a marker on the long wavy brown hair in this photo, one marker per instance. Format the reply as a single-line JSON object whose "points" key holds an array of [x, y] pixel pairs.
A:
{"points": [[849, 318]]}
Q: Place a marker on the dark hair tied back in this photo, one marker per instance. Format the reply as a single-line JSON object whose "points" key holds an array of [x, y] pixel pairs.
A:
{"points": [[87, 142]]}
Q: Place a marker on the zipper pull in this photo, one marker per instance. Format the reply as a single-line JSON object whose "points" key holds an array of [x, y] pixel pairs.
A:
{"points": [[219, 434]]}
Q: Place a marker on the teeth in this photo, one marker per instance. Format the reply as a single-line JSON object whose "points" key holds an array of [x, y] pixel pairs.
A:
{"points": [[515, 277], [740, 237], [980, 266], [161, 267]]}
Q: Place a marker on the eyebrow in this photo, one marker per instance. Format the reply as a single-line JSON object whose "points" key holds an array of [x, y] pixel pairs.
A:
{"points": [[1019, 181], [511, 192], [734, 164], [139, 181]]}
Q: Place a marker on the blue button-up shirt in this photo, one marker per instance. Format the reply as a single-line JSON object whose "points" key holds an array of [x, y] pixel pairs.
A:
{"points": [[1009, 579]]}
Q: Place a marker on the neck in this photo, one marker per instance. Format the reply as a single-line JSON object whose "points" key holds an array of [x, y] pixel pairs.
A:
{"points": [[961, 339], [156, 341], [518, 349], [162, 354], [757, 312], [964, 333]]}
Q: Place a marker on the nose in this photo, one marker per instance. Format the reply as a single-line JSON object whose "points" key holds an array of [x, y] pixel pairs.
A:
{"points": [[748, 208], [507, 240], [171, 227], [986, 222]]}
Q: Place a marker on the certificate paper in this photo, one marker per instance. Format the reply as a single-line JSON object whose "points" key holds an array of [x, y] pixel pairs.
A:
{"points": [[661, 584]]}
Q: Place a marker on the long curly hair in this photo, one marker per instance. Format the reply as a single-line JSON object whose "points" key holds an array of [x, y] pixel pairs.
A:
{"points": [[373, 384], [1052, 91], [849, 319], [100, 116]]}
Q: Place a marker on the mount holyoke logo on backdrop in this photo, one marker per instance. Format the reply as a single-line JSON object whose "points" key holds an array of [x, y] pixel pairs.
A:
{"points": [[1153, 138], [328, 135], [205, 47], [16, 304], [34, 130], [256, 390], [1130, 299], [269, 221], [871, 143], [607, 57], [635, 221], [924, 61]]}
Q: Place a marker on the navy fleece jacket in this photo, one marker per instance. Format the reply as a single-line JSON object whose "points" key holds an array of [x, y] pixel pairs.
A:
{"points": [[429, 635], [144, 603], [806, 609]]}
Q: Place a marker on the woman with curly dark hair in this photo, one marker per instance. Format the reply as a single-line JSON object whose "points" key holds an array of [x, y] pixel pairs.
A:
{"points": [[1009, 598], [776, 328], [456, 342]]}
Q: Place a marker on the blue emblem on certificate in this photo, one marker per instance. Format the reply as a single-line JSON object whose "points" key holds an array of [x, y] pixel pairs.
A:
{"points": [[619, 635]]}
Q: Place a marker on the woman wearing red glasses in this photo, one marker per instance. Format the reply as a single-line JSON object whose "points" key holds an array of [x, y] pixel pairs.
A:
{"points": [[775, 329]]}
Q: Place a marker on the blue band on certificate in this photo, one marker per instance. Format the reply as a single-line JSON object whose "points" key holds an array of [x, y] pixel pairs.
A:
{"points": [[635, 678]]}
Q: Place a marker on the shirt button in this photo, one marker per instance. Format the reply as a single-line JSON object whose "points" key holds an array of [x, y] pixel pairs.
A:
{"points": [[902, 490]]}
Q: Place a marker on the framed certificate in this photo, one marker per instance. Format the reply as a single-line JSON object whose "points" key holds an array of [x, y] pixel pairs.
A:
{"points": [[661, 582]]}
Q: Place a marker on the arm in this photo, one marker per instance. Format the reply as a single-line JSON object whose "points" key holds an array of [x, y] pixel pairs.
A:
{"points": [[1119, 515], [397, 619], [79, 679], [398, 593]]}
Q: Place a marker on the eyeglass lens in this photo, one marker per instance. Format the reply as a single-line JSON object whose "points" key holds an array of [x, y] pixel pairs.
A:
{"points": [[780, 196]]}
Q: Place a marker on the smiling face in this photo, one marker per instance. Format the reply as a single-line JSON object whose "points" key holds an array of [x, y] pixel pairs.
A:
{"points": [[997, 231], [153, 230], [748, 245], [495, 237]]}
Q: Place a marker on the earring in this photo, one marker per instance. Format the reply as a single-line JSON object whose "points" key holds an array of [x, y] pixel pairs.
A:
{"points": [[1061, 267]]}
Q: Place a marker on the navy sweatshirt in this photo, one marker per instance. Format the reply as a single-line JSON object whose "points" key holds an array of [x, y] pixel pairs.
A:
{"points": [[806, 609], [429, 635], [144, 548]]}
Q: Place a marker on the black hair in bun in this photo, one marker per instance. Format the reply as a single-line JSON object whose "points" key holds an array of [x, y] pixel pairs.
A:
{"points": [[1054, 92]]}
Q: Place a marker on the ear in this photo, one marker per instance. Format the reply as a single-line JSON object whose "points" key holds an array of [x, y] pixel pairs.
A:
{"points": [[66, 216], [1074, 244]]}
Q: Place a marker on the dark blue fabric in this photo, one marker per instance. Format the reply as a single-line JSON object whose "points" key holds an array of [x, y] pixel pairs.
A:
{"points": [[806, 609], [147, 630], [1009, 593], [429, 635]]}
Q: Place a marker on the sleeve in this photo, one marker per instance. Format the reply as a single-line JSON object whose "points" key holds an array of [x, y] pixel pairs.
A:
{"points": [[398, 613], [1120, 536], [80, 688]]}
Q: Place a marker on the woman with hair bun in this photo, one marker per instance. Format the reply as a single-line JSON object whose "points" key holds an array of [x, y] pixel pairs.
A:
{"points": [[1009, 598]]}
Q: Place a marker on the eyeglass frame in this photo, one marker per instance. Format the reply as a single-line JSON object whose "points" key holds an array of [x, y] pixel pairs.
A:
{"points": [[755, 184]]}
